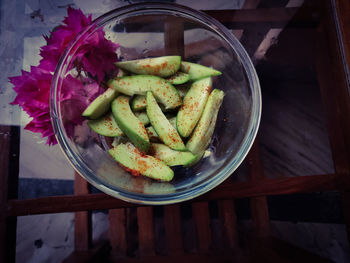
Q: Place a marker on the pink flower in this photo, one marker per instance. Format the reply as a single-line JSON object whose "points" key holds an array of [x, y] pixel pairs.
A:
{"points": [[90, 53], [33, 88]]}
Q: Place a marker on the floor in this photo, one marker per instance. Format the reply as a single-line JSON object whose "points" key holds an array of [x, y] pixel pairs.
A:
{"points": [[312, 221]]}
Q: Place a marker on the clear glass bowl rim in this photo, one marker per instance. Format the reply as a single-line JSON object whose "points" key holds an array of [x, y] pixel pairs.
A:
{"points": [[187, 194]]}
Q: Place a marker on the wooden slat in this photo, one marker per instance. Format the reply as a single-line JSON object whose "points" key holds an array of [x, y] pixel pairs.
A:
{"points": [[258, 205], [278, 186], [146, 231], [9, 163], [335, 87], [173, 232], [241, 18], [117, 231], [83, 220], [228, 216], [4, 164], [343, 12], [201, 217], [174, 36], [329, 86]]}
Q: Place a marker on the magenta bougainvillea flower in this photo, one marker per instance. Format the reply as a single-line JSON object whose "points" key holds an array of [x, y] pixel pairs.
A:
{"points": [[33, 87]]}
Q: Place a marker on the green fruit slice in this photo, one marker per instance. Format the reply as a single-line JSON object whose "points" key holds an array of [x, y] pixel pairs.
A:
{"points": [[142, 116], [161, 66], [106, 126], [171, 157], [197, 71], [193, 106], [204, 130], [138, 163], [101, 105], [166, 132], [129, 123], [138, 103], [152, 134], [163, 91], [178, 78]]}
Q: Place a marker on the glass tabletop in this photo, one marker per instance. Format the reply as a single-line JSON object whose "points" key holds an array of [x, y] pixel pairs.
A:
{"points": [[281, 39], [293, 135]]}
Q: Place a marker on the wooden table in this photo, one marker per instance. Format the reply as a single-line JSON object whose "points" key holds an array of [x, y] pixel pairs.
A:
{"points": [[327, 25]]}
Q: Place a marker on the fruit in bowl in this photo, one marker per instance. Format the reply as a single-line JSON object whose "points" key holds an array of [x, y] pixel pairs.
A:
{"points": [[197, 113], [183, 119]]}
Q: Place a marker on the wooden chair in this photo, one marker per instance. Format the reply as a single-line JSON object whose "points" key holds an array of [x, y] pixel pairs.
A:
{"points": [[156, 234]]}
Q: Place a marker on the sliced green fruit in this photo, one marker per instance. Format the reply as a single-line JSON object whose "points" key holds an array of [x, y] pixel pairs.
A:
{"points": [[152, 134], [129, 123], [173, 121], [142, 116], [101, 105], [197, 71], [171, 157], [179, 78], [138, 163], [166, 132], [138, 103], [193, 106], [106, 126], [161, 66], [163, 91], [204, 130]]}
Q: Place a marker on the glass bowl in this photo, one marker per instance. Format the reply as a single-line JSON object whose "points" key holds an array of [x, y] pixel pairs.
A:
{"points": [[157, 29]]}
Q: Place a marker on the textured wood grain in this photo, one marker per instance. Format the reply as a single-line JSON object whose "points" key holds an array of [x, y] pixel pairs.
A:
{"points": [[117, 231], [258, 205], [174, 36], [283, 185], [343, 15], [173, 232], [9, 163], [241, 18], [201, 217], [229, 219], [4, 164], [146, 231], [335, 86], [82, 220]]}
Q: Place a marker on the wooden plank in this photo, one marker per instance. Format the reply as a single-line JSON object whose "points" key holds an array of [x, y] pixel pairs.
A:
{"points": [[277, 186], [9, 163], [117, 231], [343, 16], [174, 36], [337, 65], [242, 18], [200, 212], [146, 231], [329, 86], [82, 220], [173, 232], [4, 164], [258, 205], [228, 216], [337, 87]]}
